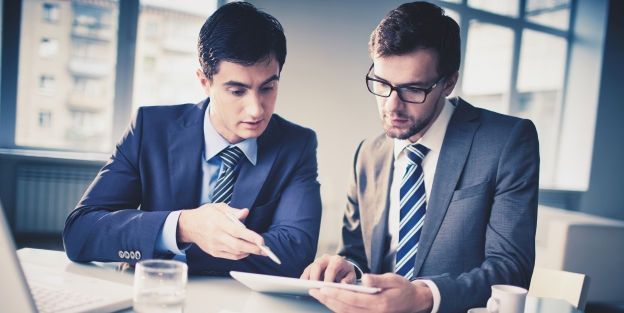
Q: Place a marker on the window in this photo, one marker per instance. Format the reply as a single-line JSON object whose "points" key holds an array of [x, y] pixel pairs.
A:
{"points": [[51, 12], [166, 52], [45, 119], [81, 80], [79, 87], [48, 48], [46, 84], [514, 62], [553, 13], [487, 65]]}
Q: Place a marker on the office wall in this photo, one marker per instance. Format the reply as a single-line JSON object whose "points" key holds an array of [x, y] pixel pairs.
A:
{"points": [[605, 195], [322, 87]]}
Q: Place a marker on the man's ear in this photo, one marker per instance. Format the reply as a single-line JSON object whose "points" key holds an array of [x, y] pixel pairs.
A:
{"points": [[449, 84], [203, 80]]}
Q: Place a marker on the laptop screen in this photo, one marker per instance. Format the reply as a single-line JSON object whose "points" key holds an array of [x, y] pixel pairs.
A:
{"points": [[14, 292]]}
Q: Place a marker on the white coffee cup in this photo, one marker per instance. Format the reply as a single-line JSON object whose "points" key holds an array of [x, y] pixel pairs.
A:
{"points": [[478, 310], [507, 299]]}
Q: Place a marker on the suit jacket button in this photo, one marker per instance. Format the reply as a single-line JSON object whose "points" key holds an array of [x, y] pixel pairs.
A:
{"points": [[126, 254], [137, 255], [121, 254], [132, 255]]}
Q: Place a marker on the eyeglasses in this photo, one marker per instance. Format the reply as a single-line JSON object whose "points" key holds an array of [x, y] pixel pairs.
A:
{"points": [[409, 94]]}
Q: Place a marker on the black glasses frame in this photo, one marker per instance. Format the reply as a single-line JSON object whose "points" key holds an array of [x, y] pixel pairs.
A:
{"points": [[399, 88]]}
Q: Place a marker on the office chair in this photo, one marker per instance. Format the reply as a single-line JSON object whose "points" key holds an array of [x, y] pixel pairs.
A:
{"points": [[568, 286]]}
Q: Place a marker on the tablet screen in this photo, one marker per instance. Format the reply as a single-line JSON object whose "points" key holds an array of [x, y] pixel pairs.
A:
{"points": [[291, 286]]}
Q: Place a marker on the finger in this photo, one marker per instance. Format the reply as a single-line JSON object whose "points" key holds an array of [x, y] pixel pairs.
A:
{"points": [[240, 214], [238, 246], [330, 272], [229, 255], [317, 270], [345, 300], [349, 279], [243, 233], [385, 281], [335, 269], [306, 273]]}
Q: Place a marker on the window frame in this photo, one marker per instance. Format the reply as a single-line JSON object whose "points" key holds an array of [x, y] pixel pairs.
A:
{"points": [[517, 25], [129, 11]]}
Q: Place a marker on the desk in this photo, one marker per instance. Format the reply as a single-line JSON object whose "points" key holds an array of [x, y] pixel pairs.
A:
{"points": [[223, 294]]}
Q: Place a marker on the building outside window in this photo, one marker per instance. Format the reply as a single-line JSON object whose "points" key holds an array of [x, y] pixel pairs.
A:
{"points": [[80, 79], [76, 77]]}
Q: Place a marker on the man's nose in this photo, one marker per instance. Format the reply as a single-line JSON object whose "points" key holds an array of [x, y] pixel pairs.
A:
{"points": [[393, 102], [253, 107]]}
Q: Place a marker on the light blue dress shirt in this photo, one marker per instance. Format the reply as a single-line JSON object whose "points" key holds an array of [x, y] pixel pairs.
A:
{"points": [[166, 243]]}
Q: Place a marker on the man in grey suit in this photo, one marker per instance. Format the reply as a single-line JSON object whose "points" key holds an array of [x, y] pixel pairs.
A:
{"points": [[444, 204]]}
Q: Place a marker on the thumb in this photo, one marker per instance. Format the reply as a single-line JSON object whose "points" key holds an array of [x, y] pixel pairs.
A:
{"points": [[240, 214], [381, 281]]}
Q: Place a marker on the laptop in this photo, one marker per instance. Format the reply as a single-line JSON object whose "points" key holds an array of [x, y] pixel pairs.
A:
{"points": [[32, 288]]}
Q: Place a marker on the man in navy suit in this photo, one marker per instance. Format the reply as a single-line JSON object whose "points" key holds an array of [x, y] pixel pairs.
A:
{"points": [[444, 204], [178, 169]]}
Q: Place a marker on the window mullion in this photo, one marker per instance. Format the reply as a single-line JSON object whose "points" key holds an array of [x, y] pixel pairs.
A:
{"points": [[124, 77], [558, 120], [463, 34], [11, 20], [510, 99]]}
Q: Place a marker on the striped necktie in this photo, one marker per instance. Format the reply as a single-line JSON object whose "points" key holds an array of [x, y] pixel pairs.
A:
{"points": [[223, 191], [412, 210]]}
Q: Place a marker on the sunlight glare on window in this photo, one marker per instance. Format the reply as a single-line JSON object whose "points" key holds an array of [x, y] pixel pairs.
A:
{"points": [[553, 13], [487, 67], [502, 7]]}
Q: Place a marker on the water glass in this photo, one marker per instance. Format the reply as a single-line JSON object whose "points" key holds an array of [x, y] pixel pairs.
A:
{"points": [[160, 286]]}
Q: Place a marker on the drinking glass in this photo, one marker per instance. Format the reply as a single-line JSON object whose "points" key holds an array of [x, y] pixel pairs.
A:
{"points": [[160, 286]]}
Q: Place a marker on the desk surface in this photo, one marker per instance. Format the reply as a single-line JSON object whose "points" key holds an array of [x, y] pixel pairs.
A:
{"points": [[223, 294]]}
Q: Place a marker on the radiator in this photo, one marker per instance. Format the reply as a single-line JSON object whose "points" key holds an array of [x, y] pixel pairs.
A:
{"points": [[47, 194]]}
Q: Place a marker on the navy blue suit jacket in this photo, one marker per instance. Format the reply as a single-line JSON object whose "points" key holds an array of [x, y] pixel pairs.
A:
{"points": [[156, 168]]}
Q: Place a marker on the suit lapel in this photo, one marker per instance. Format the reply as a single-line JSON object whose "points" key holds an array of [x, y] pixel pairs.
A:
{"points": [[251, 178], [185, 153], [379, 198], [453, 155]]}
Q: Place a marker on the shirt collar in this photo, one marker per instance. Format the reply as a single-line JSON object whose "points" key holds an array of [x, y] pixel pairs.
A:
{"points": [[214, 142], [434, 136]]}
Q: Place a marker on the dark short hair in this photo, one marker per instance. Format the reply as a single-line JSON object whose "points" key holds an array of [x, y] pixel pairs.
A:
{"points": [[240, 33], [418, 25]]}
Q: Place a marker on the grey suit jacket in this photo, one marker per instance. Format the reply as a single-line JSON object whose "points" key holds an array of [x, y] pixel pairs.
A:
{"points": [[479, 228]]}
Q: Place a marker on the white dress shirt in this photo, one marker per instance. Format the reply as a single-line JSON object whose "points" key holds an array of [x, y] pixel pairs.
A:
{"points": [[432, 139]]}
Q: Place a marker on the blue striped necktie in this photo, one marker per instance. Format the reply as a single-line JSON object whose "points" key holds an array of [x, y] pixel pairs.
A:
{"points": [[225, 183], [412, 210]]}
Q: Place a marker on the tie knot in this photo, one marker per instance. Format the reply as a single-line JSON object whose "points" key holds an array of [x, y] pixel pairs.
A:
{"points": [[416, 153], [230, 156]]}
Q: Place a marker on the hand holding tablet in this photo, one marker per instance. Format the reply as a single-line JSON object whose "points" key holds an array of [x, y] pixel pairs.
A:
{"points": [[291, 286]]}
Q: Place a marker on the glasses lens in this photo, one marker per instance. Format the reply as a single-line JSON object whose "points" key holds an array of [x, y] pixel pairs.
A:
{"points": [[378, 88], [412, 94]]}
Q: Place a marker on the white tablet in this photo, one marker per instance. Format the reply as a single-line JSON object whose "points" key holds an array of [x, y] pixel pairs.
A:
{"points": [[291, 286]]}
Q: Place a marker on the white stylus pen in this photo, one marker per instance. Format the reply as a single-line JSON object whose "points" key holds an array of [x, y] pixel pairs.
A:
{"points": [[264, 248]]}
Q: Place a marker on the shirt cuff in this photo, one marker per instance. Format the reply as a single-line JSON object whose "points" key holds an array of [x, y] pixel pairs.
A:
{"points": [[435, 292], [358, 271], [167, 242]]}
